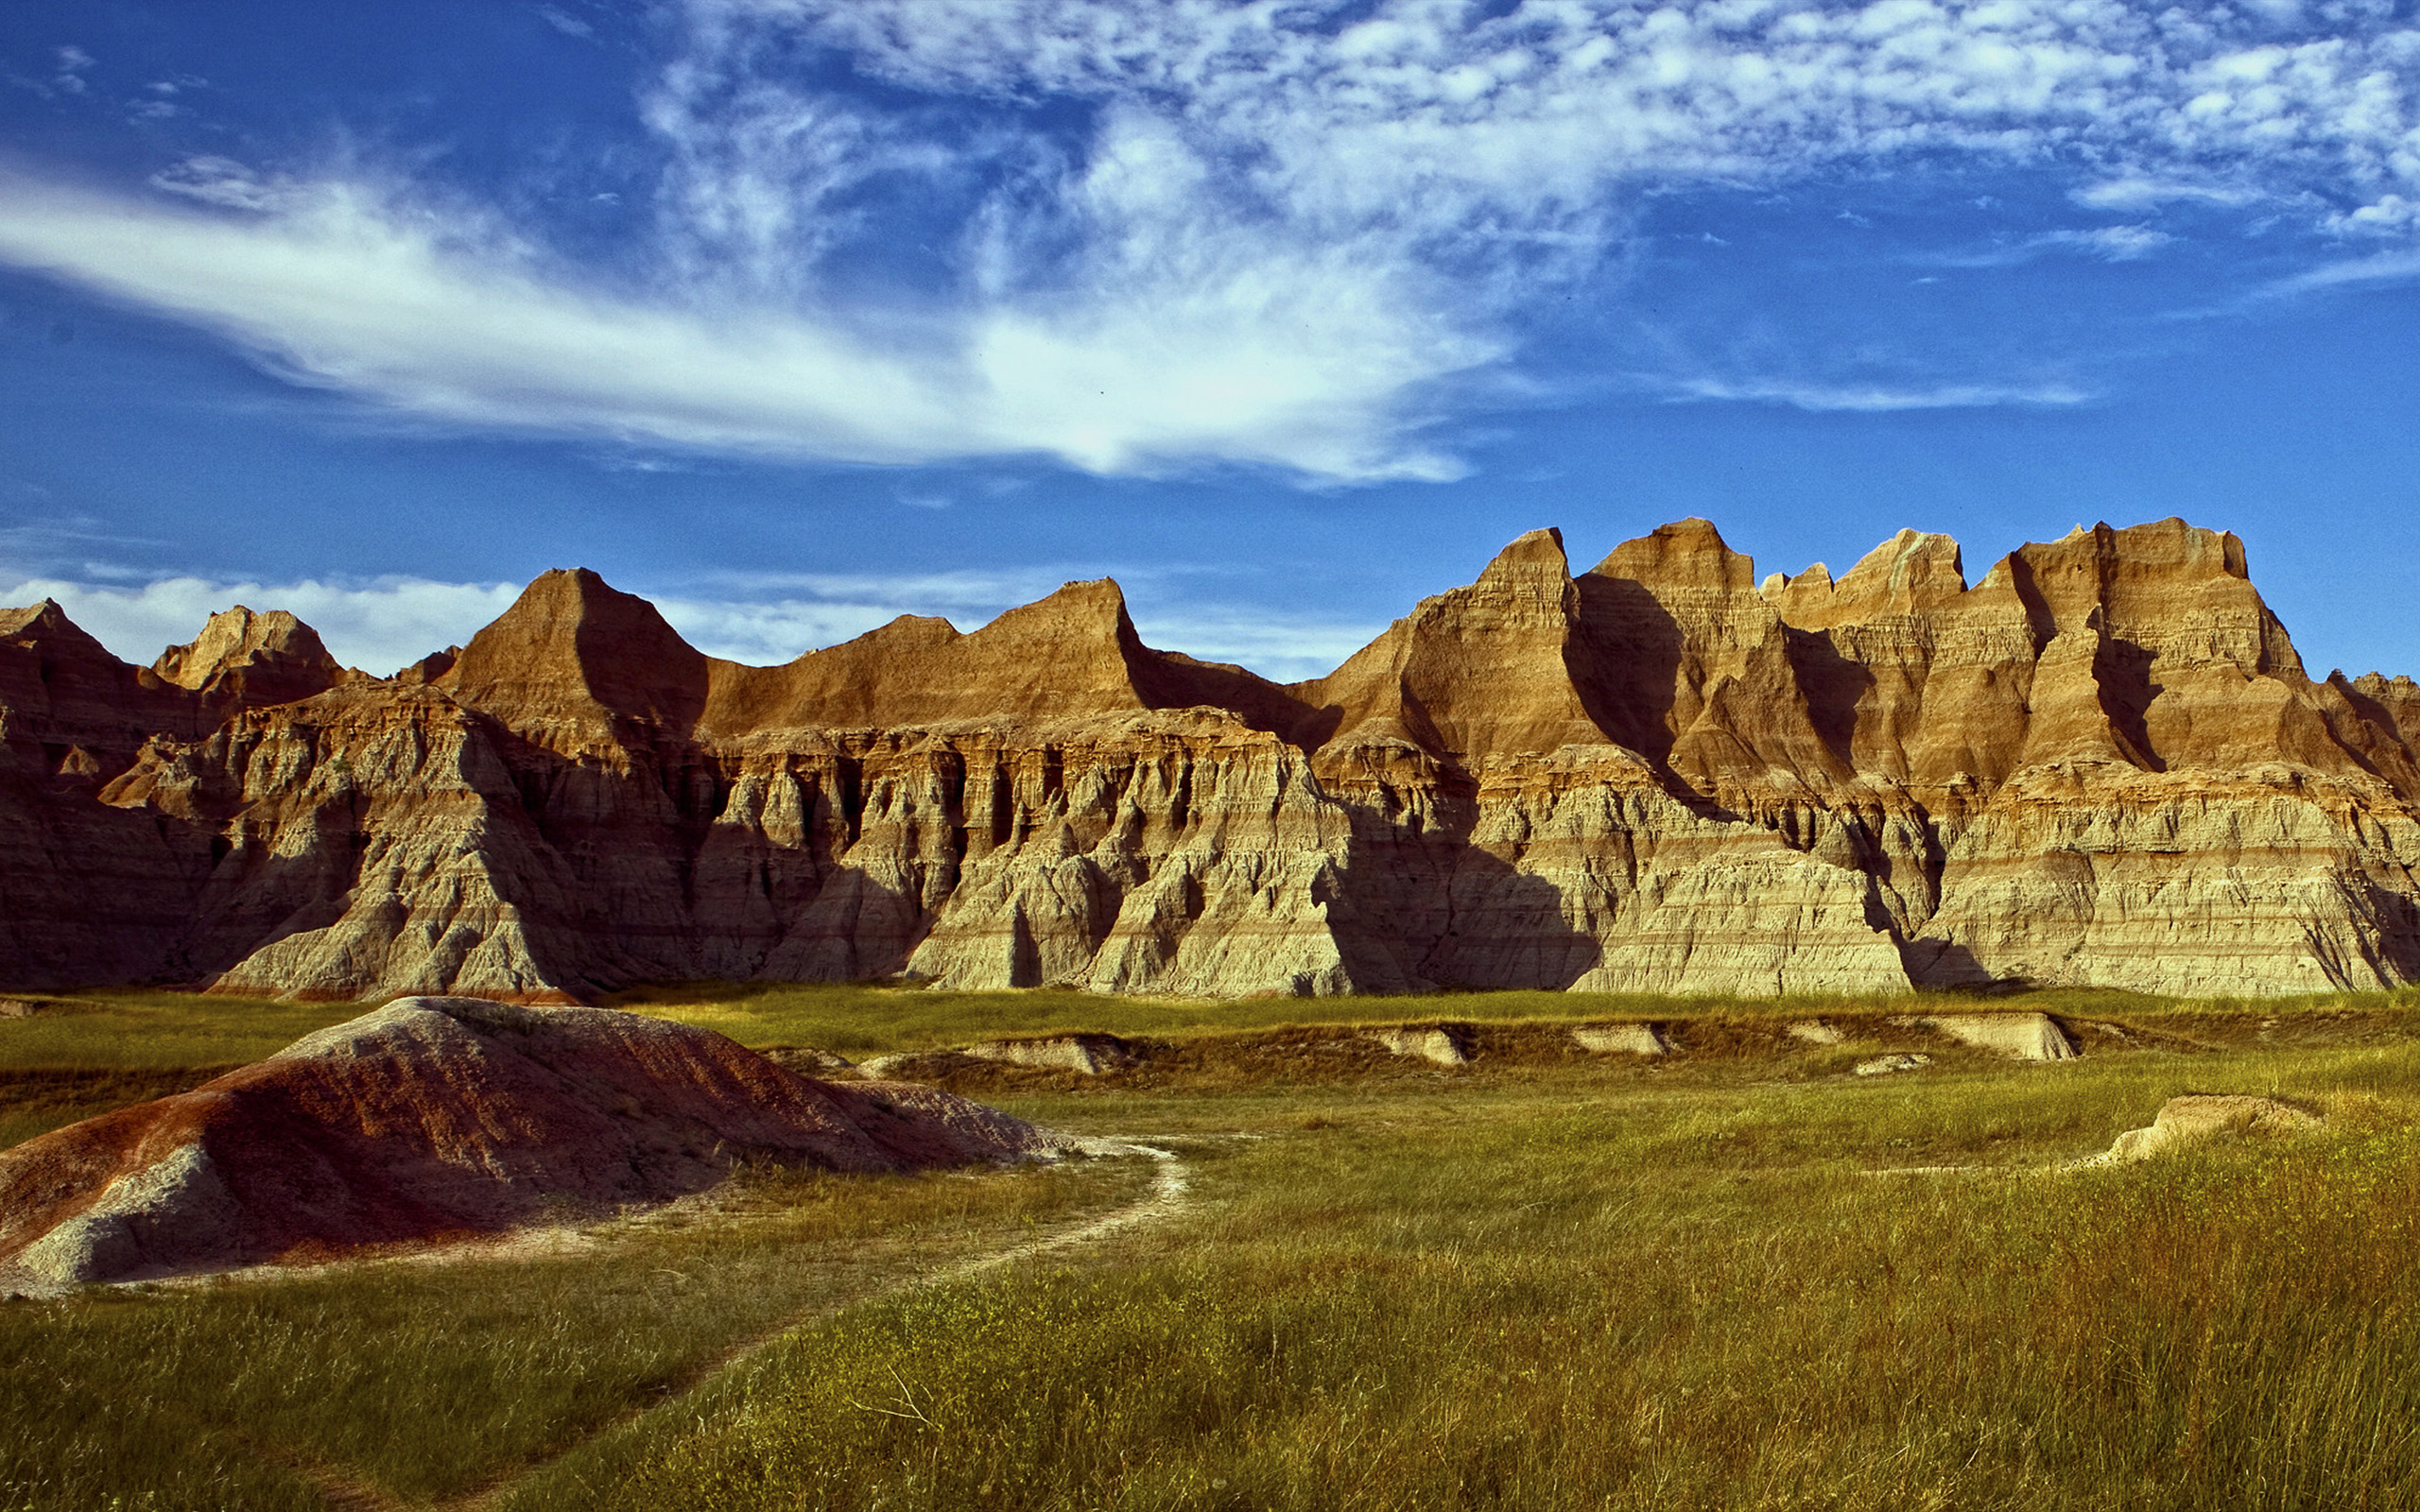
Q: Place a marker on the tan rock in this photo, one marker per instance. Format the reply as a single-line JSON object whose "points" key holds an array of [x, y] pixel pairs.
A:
{"points": [[242, 659], [2099, 765], [1471, 673], [1440, 1046], [2198, 1118], [2018, 1035], [1891, 1064], [1621, 1039], [1767, 924], [1090, 1054]]}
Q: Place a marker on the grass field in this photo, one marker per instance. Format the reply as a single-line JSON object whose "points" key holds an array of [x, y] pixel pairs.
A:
{"points": [[858, 1020], [1720, 1285]]}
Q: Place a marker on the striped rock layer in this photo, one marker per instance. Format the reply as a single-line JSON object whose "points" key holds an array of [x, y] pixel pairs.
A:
{"points": [[2103, 764]]}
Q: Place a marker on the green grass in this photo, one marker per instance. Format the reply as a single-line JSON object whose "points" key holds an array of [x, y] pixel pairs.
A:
{"points": [[157, 1030], [858, 1019], [91, 1052], [1574, 1283], [424, 1379], [1672, 1299]]}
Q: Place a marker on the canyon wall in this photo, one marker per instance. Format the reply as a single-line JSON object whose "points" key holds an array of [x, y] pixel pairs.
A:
{"points": [[2103, 764]]}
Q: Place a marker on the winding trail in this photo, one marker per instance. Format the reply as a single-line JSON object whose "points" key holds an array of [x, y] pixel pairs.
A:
{"points": [[1166, 1199], [1168, 1196]]}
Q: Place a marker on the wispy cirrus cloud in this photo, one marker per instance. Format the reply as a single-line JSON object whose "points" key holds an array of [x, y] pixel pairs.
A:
{"points": [[1877, 398], [2110, 244], [2380, 268], [1158, 236]]}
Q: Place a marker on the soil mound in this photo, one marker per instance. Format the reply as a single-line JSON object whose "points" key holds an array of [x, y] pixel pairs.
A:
{"points": [[2198, 1118], [434, 1118]]}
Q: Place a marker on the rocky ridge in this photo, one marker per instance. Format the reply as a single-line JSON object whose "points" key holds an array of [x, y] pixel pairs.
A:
{"points": [[2102, 763]]}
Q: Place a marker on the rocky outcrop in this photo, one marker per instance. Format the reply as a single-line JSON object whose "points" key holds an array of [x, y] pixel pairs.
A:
{"points": [[2102, 763], [1621, 1039], [1088, 1055], [2203, 1118], [2018, 1035], [440, 1118], [1440, 1045], [242, 659]]}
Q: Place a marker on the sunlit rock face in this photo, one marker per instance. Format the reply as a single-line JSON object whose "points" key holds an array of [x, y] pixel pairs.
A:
{"points": [[2103, 764]]}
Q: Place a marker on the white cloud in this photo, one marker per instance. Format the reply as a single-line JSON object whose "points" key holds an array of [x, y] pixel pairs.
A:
{"points": [[2389, 216], [2140, 193], [1283, 647], [2383, 268], [74, 63], [1292, 363], [1287, 234], [564, 22], [379, 627], [224, 181], [2116, 244], [763, 619], [1880, 397], [2111, 243]]}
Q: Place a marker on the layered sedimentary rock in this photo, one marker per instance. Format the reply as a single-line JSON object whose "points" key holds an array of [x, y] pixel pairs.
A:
{"points": [[2102, 763], [437, 1118]]}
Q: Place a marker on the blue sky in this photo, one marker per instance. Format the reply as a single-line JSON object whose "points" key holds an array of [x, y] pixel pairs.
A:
{"points": [[796, 315]]}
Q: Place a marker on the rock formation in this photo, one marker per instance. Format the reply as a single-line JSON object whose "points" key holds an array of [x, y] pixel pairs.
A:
{"points": [[2201, 1118], [2018, 1035], [436, 1118], [2100, 764]]}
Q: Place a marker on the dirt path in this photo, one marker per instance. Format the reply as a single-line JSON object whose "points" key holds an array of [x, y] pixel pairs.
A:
{"points": [[1166, 1198]]}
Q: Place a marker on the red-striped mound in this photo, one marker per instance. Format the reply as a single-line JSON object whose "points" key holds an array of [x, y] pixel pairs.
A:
{"points": [[438, 1117]]}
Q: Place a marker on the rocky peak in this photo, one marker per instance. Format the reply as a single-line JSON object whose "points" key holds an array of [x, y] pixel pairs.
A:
{"points": [[247, 660], [1084, 622], [1528, 582], [62, 688], [46, 624], [1072, 654], [1472, 672], [1685, 554], [1805, 599], [2170, 588], [575, 648], [1911, 572]]}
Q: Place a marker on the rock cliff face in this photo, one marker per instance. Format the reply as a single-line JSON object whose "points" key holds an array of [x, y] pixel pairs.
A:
{"points": [[2103, 764]]}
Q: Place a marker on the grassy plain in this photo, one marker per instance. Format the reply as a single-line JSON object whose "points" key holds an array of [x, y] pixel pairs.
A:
{"points": [[858, 1020], [1721, 1282]]}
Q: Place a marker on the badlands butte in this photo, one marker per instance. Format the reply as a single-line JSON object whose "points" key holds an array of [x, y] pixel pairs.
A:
{"points": [[2101, 765]]}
